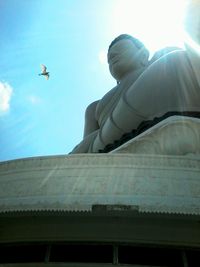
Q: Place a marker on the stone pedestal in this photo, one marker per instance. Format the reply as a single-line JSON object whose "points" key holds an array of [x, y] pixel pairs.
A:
{"points": [[146, 183], [131, 201]]}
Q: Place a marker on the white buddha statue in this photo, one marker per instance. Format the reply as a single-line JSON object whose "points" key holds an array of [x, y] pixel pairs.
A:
{"points": [[144, 92], [127, 59]]}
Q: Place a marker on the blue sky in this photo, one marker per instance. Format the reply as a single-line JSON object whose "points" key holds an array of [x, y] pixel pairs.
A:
{"points": [[71, 37]]}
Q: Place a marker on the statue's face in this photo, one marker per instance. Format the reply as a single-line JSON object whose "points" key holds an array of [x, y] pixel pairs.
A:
{"points": [[123, 57]]}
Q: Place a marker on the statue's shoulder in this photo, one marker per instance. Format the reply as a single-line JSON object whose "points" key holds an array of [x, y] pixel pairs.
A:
{"points": [[163, 52], [170, 64], [92, 106], [179, 64], [109, 94], [174, 57], [91, 109], [105, 100]]}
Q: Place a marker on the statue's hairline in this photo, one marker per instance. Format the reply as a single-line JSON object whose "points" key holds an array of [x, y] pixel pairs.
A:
{"points": [[134, 40]]}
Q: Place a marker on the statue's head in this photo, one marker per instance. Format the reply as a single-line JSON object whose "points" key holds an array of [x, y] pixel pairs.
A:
{"points": [[126, 54]]}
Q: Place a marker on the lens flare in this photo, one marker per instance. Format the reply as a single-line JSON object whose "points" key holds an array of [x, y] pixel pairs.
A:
{"points": [[191, 43], [192, 25], [157, 23]]}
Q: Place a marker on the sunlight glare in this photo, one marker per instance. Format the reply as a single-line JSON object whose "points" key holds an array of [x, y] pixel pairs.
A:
{"points": [[158, 23], [192, 25]]}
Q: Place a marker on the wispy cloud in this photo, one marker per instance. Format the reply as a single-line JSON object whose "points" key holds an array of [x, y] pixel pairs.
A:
{"points": [[34, 99], [5, 96]]}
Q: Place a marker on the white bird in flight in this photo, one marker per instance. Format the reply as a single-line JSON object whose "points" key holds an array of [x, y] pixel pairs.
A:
{"points": [[44, 71]]}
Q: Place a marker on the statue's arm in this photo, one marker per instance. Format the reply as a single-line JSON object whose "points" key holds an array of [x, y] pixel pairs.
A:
{"points": [[91, 123]]}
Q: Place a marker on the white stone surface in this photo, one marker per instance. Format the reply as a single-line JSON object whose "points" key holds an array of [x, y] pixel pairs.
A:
{"points": [[150, 183], [176, 135]]}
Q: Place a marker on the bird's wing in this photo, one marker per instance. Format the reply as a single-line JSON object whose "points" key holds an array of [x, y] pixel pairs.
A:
{"points": [[43, 67]]}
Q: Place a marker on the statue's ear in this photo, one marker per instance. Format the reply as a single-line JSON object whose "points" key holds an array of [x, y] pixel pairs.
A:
{"points": [[144, 56]]}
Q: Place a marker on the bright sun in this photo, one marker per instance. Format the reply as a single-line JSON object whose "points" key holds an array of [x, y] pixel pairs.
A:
{"points": [[158, 23]]}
